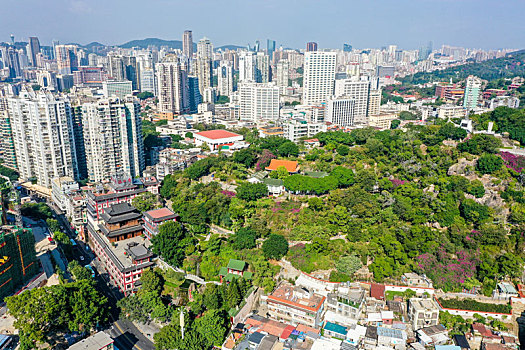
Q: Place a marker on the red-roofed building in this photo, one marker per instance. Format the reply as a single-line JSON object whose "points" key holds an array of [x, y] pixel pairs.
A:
{"points": [[479, 329], [286, 333], [274, 328], [154, 218], [377, 291], [291, 165], [310, 143], [215, 139]]}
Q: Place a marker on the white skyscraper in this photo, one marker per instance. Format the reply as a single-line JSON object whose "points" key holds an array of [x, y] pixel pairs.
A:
{"points": [[172, 84], [340, 111], [247, 66], [225, 79], [359, 91], [42, 128], [204, 48], [259, 101], [319, 76], [283, 73], [113, 138]]}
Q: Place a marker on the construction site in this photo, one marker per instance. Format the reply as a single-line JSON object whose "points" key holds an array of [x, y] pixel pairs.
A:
{"points": [[18, 261]]}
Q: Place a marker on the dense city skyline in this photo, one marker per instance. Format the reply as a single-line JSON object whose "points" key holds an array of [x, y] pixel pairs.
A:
{"points": [[251, 175], [468, 23]]}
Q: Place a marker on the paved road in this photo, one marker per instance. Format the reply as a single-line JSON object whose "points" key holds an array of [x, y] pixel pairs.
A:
{"points": [[47, 265], [126, 335]]}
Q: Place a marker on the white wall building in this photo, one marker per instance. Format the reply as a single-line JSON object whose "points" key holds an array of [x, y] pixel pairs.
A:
{"points": [[283, 73], [340, 111], [147, 80], [42, 128], [294, 129], [247, 66], [319, 76], [259, 101], [113, 139], [216, 138], [359, 91], [120, 89], [60, 188]]}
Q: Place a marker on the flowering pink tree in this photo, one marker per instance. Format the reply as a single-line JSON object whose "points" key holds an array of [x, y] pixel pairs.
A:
{"points": [[448, 272], [396, 183], [514, 162], [264, 160]]}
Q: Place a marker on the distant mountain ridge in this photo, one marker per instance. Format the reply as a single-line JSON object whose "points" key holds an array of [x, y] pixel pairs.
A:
{"points": [[144, 43]]}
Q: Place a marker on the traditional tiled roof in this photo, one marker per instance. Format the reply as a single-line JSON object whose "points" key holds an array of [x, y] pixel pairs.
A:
{"points": [[237, 265]]}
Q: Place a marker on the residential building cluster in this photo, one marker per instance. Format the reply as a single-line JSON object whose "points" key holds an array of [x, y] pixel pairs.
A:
{"points": [[317, 314]]}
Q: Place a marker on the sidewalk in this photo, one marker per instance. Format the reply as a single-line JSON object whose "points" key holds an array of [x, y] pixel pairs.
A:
{"points": [[148, 330]]}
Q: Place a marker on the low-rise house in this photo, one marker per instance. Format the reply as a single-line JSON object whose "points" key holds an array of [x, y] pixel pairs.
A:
{"points": [[312, 143], [290, 165], [255, 339], [482, 333], [423, 312], [505, 290], [275, 186], [433, 335], [151, 184], [461, 341], [333, 330], [447, 347], [391, 337], [373, 318], [356, 333], [396, 306], [295, 305], [235, 269], [76, 210], [154, 218], [377, 291], [258, 177], [415, 280], [387, 317], [268, 342]]}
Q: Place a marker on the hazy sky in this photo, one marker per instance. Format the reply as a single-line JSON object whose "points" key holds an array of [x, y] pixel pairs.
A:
{"points": [[363, 23]]}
